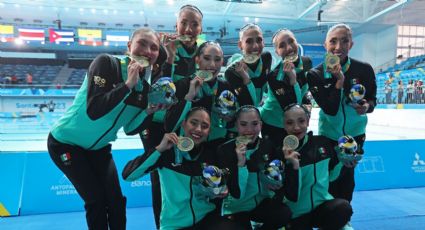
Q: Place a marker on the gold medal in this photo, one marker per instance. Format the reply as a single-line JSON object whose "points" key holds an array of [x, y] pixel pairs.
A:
{"points": [[250, 58], [143, 61], [331, 60], [243, 140], [184, 38], [291, 142], [185, 144], [205, 75], [291, 58]]}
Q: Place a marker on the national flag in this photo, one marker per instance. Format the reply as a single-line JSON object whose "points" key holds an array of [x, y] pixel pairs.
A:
{"points": [[90, 37], [61, 35], [31, 34], [65, 157], [6, 33], [119, 38]]}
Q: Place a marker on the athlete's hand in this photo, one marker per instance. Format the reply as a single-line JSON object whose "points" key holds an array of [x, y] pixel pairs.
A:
{"points": [[168, 141], [152, 108], [361, 108], [289, 70], [292, 157], [169, 42], [133, 70], [241, 154], [242, 69], [195, 86]]}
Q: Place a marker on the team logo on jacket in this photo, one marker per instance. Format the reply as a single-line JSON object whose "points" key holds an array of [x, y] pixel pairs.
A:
{"points": [[99, 81], [322, 152], [354, 81], [280, 91]]}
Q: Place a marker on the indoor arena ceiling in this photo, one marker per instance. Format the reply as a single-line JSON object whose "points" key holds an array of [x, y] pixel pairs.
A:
{"points": [[222, 18]]}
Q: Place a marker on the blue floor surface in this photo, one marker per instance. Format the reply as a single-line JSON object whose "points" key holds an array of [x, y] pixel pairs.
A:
{"points": [[392, 209]]}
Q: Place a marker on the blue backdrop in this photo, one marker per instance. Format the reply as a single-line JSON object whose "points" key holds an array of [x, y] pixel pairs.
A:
{"points": [[31, 183]]}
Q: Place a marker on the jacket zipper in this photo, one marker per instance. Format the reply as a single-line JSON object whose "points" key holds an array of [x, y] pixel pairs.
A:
{"points": [[191, 199]]}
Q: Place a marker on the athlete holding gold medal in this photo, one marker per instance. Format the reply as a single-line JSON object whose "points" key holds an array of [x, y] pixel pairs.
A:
{"points": [[247, 72], [205, 89], [253, 181], [331, 84], [318, 165], [184, 206], [112, 96], [287, 84]]}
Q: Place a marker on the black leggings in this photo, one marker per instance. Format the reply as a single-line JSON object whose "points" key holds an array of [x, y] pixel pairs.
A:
{"points": [[94, 176], [151, 137], [213, 221], [271, 213], [343, 187], [331, 215]]}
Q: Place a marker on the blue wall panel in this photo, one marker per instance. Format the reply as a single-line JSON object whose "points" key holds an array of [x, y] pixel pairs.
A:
{"points": [[11, 173], [391, 164], [33, 179], [46, 189]]}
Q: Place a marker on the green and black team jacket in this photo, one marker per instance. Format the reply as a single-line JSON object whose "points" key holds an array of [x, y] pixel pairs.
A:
{"points": [[181, 206], [206, 98], [319, 165], [103, 105], [245, 185], [257, 72], [281, 94], [184, 63], [337, 117]]}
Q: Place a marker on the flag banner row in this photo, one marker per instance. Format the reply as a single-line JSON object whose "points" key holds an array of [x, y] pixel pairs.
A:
{"points": [[90, 37]]}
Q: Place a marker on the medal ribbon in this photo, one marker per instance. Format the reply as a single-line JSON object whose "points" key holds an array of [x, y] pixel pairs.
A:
{"points": [[182, 51], [258, 71], [281, 74], [304, 142]]}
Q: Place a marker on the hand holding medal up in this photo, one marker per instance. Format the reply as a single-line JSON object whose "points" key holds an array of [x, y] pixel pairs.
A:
{"points": [[290, 143], [184, 145], [332, 61], [289, 68], [241, 147]]}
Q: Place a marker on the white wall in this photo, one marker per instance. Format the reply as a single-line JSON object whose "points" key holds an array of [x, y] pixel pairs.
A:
{"points": [[376, 48]]}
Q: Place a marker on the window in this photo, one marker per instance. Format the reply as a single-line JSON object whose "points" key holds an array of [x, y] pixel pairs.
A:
{"points": [[413, 36]]}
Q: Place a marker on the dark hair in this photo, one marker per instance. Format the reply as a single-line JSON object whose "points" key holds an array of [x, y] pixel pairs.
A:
{"points": [[204, 45], [246, 108], [195, 109], [295, 105], [191, 7]]}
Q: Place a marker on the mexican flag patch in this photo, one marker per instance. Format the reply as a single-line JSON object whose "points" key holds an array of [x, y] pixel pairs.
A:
{"points": [[66, 157]]}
